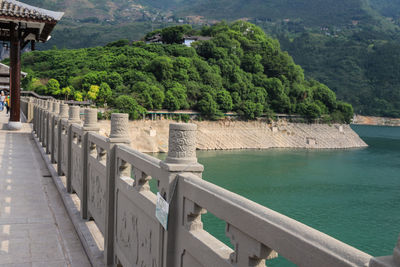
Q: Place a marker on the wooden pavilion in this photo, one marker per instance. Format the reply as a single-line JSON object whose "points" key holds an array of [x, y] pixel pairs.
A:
{"points": [[20, 25]]}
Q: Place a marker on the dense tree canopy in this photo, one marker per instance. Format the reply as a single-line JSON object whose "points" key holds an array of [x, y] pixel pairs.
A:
{"points": [[240, 69]]}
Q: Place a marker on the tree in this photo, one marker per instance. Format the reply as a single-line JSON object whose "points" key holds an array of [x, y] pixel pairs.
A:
{"points": [[224, 101], [105, 94], [175, 97], [93, 92], [66, 91], [207, 106], [53, 87], [127, 104], [78, 96], [347, 111], [250, 110], [174, 35], [161, 67], [325, 95], [309, 110], [119, 43]]}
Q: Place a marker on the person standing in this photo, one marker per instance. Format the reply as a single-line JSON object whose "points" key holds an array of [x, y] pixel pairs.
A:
{"points": [[2, 99], [8, 103]]}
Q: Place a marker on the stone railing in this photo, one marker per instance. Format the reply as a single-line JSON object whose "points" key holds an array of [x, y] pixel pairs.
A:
{"points": [[111, 181]]}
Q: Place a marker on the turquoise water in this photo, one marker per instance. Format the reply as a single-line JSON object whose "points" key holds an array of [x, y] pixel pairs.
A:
{"points": [[352, 195]]}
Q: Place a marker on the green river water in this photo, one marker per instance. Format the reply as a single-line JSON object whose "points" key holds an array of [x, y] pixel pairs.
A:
{"points": [[352, 195]]}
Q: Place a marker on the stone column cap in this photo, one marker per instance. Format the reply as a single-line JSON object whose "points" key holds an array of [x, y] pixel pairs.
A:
{"points": [[182, 144], [119, 132], [183, 126]]}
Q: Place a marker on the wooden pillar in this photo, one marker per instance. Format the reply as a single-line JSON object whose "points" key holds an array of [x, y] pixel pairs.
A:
{"points": [[15, 72], [33, 45]]}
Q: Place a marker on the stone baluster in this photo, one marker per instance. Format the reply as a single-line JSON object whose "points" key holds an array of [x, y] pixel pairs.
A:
{"points": [[64, 114], [34, 116], [39, 119], [42, 121], [49, 126], [248, 252], [388, 261], [42, 111], [46, 110], [30, 108], [54, 123], [181, 159], [90, 125], [74, 118], [119, 134]]}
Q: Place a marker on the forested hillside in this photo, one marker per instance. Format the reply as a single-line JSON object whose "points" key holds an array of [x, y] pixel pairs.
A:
{"points": [[240, 69], [353, 46]]}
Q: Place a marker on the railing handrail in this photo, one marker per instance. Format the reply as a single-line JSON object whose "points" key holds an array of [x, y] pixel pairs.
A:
{"points": [[287, 236]]}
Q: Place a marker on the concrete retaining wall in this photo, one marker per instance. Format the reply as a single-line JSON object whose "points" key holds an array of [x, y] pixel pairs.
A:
{"points": [[111, 182]]}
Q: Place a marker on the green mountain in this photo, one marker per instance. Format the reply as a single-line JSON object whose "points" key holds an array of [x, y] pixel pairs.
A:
{"points": [[350, 45]]}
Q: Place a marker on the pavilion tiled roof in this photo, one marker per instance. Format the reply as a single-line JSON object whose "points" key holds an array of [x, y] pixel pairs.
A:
{"points": [[18, 10]]}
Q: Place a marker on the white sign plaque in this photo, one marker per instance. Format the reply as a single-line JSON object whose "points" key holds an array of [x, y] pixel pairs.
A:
{"points": [[162, 210]]}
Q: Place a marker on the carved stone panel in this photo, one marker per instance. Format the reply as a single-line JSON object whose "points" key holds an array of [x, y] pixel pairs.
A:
{"points": [[97, 193], [64, 154], [137, 234], [77, 170], [50, 135], [55, 143]]}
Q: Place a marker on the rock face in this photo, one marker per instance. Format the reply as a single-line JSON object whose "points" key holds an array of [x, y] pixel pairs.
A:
{"points": [[379, 121], [152, 136]]}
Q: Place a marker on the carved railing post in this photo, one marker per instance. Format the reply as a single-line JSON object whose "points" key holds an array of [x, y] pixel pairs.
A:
{"points": [[74, 117], [90, 125], [54, 116], [181, 159], [388, 261], [119, 134], [63, 115]]}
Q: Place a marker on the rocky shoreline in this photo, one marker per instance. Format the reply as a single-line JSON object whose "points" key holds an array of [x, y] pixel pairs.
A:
{"points": [[377, 121], [152, 136]]}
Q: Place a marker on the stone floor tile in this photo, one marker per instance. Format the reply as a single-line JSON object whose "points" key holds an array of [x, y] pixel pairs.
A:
{"points": [[35, 229]]}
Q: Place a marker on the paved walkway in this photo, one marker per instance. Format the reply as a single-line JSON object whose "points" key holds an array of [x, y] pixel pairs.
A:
{"points": [[35, 229]]}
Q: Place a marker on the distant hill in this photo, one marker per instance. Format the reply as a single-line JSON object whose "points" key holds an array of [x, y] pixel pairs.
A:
{"points": [[312, 12], [97, 22]]}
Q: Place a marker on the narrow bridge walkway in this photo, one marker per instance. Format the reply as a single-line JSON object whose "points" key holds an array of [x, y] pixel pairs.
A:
{"points": [[35, 229]]}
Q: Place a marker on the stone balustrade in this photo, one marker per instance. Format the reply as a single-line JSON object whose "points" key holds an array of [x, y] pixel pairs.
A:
{"points": [[112, 180]]}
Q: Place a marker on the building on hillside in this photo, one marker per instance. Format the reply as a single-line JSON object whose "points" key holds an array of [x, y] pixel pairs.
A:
{"points": [[188, 40], [155, 39]]}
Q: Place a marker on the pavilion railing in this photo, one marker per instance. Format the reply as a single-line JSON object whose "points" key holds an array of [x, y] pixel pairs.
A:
{"points": [[112, 182]]}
